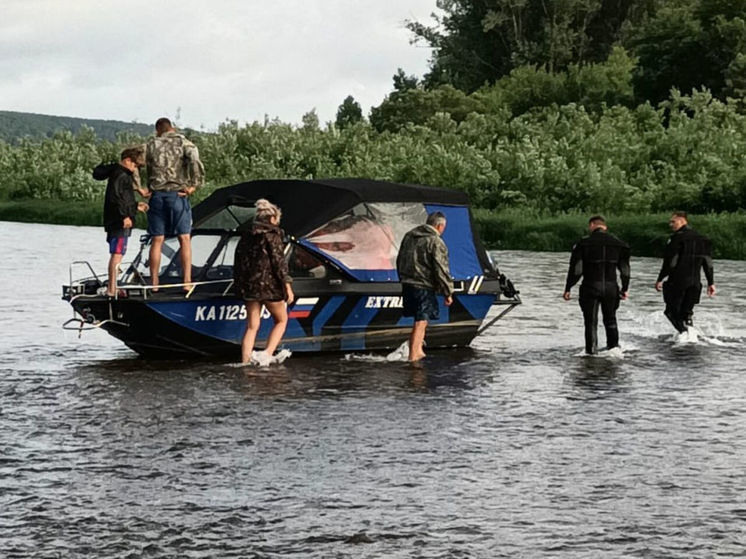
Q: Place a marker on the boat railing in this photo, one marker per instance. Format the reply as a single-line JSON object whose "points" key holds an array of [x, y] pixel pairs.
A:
{"points": [[87, 265], [146, 289], [89, 322]]}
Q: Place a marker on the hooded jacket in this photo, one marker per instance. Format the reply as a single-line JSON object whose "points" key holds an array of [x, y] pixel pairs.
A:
{"points": [[119, 200], [260, 270], [423, 260]]}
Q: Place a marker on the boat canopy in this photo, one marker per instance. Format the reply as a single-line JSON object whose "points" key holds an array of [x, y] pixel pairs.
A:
{"points": [[358, 224]]}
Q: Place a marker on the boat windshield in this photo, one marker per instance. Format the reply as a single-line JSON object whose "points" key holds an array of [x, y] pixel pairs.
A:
{"points": [[213, 258], [368, 236], [229, 218]]}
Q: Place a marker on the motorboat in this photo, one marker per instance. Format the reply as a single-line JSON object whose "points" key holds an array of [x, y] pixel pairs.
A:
{"points": [[342, 242]]}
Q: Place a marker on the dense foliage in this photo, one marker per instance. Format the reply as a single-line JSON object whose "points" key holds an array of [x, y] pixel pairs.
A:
{"points": [[679, 43], [687, 154]]}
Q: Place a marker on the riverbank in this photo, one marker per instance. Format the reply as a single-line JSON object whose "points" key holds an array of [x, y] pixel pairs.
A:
{"points": [[646, 234], [506, 230]]}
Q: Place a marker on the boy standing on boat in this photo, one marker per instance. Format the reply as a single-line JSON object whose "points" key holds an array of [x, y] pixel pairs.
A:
{"points": [[596, 258], [174, 173], [423, 270], [120, 207]]}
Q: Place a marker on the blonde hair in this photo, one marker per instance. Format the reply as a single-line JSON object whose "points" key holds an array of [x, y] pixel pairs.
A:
{"points": [[265, 210]]}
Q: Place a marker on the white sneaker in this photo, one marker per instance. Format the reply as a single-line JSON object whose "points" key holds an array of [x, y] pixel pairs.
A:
{"points": [[260, 358], [281, 355]]}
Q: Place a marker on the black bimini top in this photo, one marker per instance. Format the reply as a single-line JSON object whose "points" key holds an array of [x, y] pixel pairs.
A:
{"points": [[308, 204]]}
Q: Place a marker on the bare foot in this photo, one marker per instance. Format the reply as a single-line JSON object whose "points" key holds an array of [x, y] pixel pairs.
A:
{"points": [[417, 356]]}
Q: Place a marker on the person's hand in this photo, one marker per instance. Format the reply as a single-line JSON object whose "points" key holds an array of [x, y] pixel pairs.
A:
{"points": [[289, 295], [711, 290], [658, 285], [449, 300], [144, 192], [142, 207], [566, 295], [187, 191], [625, 295], [127, 223]]}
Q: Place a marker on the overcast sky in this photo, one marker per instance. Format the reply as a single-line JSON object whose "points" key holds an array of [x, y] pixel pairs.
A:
{"points": [[212, 59]]}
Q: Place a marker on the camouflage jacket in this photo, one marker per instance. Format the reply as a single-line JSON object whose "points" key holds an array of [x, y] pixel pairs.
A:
{"points": [[260, 270], [173, 163], [423, 260]]}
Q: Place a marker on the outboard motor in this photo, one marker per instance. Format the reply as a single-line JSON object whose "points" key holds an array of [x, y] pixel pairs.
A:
{"points": [[507, 288]]}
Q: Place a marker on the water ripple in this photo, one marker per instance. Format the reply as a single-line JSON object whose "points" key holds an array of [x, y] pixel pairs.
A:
{"points": [[515, 447]]}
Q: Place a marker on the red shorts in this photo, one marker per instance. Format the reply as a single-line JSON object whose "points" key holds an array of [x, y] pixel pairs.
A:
{"points": [[117, 243]]}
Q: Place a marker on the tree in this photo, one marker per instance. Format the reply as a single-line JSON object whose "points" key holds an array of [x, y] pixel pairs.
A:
{"points": [[688, 44], [417, 106], [349, 112], [478, 41], [310, 121]]}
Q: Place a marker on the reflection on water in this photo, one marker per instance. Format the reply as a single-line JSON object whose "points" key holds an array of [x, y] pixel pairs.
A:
{"points": [[516, 447]]}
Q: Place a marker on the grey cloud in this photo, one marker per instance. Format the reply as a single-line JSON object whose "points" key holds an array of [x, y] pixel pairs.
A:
{"points": [[224, 59]]}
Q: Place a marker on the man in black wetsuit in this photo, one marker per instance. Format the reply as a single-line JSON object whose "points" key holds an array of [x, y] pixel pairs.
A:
{"points": [[687, 252], [596, 258]]}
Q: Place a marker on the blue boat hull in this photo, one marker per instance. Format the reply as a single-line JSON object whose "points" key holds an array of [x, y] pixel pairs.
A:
{"points": [[213, 326]]}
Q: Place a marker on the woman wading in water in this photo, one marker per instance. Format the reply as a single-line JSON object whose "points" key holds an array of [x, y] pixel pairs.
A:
{"points": [[261, 278]]}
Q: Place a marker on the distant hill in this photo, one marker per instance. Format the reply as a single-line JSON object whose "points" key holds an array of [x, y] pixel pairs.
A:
{"points": [[14, 125]]}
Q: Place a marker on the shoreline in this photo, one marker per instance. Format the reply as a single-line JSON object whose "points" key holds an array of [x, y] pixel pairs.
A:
{"points": [[503, 230]]}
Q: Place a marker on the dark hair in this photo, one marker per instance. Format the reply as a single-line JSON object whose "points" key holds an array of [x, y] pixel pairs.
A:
{"points": [[163, 124], [679, 213], [135, 154], [597, 219], [436, 218]]}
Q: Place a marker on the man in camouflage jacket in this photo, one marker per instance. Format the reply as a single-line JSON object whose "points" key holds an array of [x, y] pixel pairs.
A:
{"points": [[174, 173], [423, 270]]}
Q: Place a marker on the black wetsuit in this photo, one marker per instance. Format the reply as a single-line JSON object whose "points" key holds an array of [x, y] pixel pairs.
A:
{"points": [[687, 253], [597, 258]]}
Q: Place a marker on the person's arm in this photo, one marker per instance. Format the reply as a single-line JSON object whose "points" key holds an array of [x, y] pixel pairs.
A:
{"points": [[137, 185], [624, 269], [195, 168], [670, 259], [276, 252], [441, 270], [709, 269], [125, 198], [575, 271]]}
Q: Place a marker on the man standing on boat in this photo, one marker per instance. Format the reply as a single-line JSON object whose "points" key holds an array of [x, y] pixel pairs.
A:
{"points": [[596, 258], [687, 252], [423, 270], [174, 173]]}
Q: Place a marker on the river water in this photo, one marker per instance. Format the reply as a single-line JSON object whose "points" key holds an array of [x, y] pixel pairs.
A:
{"points": [[515, 447]]}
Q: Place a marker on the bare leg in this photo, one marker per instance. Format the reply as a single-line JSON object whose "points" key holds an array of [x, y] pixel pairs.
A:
{"points": [[416, 339], [253, 319], [279, 313], [114, 262], [185, 242], [156, 244]]}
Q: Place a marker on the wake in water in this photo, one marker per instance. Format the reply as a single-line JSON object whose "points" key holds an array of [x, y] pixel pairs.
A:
{"points": [[262, 360], [401, 353], [693, 336], [613, 353], [710, 330]]}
